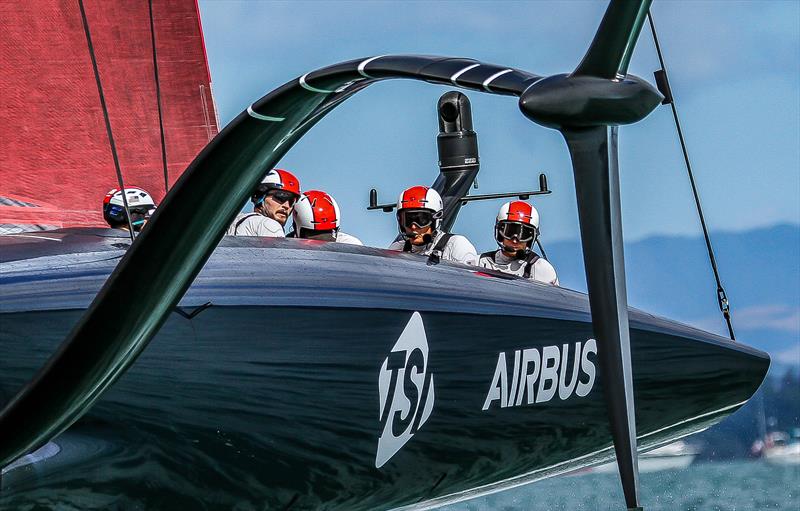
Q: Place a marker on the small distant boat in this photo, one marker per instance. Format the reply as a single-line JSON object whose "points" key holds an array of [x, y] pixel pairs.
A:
{"points": [[780, 448], [675, 456]]}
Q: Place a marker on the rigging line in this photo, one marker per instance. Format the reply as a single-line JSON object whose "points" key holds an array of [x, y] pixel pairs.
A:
{"points": [[722, 298], [105, 116], [158, 98], [544, 254]]}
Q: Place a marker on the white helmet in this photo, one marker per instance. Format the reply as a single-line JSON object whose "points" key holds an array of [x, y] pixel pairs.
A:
{"points": [[140, 204], [517, 220], [316, 212], [421, 206]]}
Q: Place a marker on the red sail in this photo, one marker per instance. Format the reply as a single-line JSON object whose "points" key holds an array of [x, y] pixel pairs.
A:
{"points": [[56, 154]]}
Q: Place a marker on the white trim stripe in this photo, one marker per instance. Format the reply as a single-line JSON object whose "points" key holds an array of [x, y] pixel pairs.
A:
{"points": [[34, 236], [493, 78], [457, 75], [260, 117], [363, 65], [312, 89]]}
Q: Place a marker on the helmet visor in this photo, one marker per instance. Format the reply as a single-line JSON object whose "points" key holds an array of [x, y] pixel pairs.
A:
{"points": [[516, 231], [419, 217]]}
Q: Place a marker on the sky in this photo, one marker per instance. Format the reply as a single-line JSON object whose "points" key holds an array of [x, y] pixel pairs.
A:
{"points": [[735, 74]]}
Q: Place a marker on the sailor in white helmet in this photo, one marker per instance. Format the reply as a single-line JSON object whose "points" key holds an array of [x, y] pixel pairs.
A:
{"points": [[273, 202], [516, 230], [419, 215], [140, 205], [316, 216]]}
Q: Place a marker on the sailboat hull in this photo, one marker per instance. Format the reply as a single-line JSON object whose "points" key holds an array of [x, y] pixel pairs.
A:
{"points": [[301, 375]]}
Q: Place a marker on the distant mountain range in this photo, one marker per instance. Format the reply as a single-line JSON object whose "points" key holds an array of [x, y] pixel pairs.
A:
{"points": [[672, 277]]}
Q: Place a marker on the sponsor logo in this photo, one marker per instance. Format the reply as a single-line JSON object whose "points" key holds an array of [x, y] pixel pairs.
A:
{"points": [[405, 384], [536, 377]]}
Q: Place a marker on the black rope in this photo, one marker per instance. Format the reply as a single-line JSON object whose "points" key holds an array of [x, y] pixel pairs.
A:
{"points": [[539, 243], [158, 98], [722, 298], [105, 116]]}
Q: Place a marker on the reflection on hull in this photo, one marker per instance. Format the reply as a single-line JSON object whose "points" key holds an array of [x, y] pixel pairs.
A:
{"points": [[270, 397]]}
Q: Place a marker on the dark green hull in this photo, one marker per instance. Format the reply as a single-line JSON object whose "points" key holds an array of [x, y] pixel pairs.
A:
{"points": [[271, 397]]}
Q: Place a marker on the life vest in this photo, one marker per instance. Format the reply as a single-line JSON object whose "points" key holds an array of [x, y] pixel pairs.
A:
{"points": [[529, 260], [241, 221], [436, 252]]}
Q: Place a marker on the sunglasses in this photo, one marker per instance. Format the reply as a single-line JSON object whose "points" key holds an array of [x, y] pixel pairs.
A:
{"points": [[281, 196], [420, 218], [516, 230]]}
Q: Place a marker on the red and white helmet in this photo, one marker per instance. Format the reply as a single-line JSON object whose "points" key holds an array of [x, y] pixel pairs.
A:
{"points": [[517, 220], [140, 204], [315, 211], [518, 211], [419, 205], [277, 179]]}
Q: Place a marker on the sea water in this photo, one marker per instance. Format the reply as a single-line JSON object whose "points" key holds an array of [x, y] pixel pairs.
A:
{"points": [[713, 486]]}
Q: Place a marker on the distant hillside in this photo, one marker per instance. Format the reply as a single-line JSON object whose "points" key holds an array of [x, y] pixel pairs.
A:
{"points": [[671, 276]]}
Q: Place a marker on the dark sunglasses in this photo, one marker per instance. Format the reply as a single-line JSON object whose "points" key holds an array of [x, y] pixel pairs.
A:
{"points": [[420, 218], [281, 196], [516, 230]]}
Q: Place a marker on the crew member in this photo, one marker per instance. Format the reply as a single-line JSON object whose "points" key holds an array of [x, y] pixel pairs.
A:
{"points": [[140, 205], [316, 217], [273, 202], [419, 215], [516, 230]]}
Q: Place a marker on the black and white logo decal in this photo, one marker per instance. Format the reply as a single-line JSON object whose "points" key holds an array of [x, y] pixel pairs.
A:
{"points": [[406, 391]]}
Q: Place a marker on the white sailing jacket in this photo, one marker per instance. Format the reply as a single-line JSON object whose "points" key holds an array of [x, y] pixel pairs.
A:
{"points": [[457, 249], [255, 224], [343, 237], [541, 271]]}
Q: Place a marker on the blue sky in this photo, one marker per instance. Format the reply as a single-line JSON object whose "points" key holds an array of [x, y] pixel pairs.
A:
{"points": [[734, 66]]}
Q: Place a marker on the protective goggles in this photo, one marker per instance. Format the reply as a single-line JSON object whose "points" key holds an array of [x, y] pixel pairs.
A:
{"points": [[140, 215], [419, 217], [281, 196], [516, 231]]}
